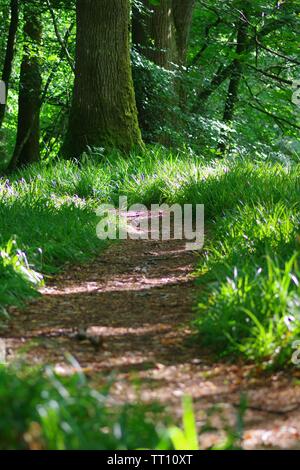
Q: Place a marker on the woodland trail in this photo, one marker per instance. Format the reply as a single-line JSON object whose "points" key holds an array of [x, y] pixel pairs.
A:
{"points": [[138, 297]]}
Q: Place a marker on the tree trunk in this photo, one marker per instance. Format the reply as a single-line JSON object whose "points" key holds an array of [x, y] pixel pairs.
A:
{"points": [[140, 30], [236, 75], [153, 32], [28, 133], [183, 14], [10, 50], [162, 33], [103, 112]]}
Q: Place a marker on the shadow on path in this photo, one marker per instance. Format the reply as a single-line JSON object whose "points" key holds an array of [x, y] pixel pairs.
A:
{"points": [[138, 297]]}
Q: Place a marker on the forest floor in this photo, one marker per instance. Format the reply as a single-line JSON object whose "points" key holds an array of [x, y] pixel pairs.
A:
{"points": [[138, 298]]}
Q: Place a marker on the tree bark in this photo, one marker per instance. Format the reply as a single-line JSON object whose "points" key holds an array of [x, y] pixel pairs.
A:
{"points": [[27, 148], [139, 29], [236, 75], [237, 70], [153, 32], [183, 14], [103, 111], [162, 33], [10, 51]]}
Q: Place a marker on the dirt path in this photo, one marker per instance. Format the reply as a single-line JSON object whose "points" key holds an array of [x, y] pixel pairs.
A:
{"points": [[138, 297]]}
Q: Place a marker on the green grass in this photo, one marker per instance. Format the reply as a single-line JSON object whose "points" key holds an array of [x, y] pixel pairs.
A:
{"points": [[249, 304], [41, 410], [249, 276], [17, 279]]}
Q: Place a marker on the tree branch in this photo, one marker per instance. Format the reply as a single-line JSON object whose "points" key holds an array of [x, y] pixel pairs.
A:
{"points": [[61, 41], [268, 113], [278, 54], [224, 71], [271, 75]]}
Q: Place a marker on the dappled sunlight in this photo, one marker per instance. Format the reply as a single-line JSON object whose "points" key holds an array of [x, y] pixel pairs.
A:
{"points": [[149, 226], [131, 302], [117, 285]]}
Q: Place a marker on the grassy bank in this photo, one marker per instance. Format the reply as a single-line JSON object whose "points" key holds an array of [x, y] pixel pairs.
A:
{"points": [[250, 293]]}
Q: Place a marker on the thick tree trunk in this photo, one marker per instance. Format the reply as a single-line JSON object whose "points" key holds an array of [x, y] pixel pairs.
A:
{"points": [[162, 34], [28, 133], [153, 32], [10, 50], [103, 112]]}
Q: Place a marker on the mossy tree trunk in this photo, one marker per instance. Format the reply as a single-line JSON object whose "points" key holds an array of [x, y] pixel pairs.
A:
{"points": [[103, 111], [27, 149]]}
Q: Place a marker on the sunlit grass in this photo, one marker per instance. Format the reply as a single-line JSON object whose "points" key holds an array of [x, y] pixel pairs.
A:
{"points": [[250, 301]]}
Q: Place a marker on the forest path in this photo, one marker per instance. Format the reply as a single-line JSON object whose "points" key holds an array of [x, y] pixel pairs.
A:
{"points": [[138, 297]]}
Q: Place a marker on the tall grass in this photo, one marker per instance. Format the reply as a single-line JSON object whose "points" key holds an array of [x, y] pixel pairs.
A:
{"points": [[249, 273]]}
